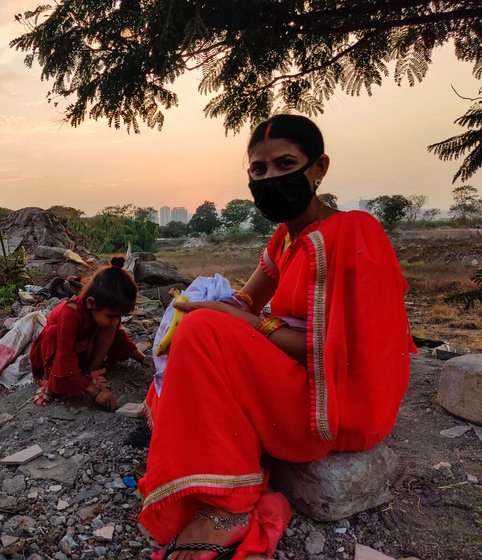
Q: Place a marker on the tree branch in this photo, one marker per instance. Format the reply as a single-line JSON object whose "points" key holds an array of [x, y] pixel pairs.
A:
{"points": [[284, 77]]}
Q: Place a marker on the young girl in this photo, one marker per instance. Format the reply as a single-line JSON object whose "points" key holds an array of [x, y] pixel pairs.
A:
{"points": [[84, 334]]}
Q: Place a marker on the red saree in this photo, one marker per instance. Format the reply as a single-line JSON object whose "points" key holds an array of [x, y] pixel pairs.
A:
{"points": [[60, 352], [230, 395]]}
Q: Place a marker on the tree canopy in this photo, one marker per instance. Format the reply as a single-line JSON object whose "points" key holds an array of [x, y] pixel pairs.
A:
{"points": [[205, 219], [119, 58], [467, 205], [236, 212], [389, 209]]}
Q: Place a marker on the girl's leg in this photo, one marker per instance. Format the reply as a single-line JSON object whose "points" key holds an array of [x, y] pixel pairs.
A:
{"points": [[102, 342]]}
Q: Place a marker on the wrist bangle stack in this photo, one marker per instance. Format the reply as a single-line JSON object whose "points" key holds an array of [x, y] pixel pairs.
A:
{"points": [[271, 324], [240, 295]]}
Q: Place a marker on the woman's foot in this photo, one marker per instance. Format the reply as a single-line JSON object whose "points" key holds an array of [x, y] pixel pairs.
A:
{"points": [[231, 528]]}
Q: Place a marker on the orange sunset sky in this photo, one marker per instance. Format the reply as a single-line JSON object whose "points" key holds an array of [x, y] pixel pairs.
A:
{"points": [[377, 144]]}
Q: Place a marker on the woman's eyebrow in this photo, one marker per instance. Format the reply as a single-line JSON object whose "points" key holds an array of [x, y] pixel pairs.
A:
{"points": [[275, 158]]}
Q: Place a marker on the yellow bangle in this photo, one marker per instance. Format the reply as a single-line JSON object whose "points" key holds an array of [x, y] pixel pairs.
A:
{"points": [[271, 324], [243, 296]]}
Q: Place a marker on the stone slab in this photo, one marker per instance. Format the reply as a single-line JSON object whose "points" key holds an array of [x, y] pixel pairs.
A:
{"points": [[131, 410], [460, 387], [60, 469], [22, 457], [338, 485]]}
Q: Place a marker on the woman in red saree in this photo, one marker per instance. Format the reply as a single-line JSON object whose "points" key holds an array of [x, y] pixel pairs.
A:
{"points": [[325, 372]]}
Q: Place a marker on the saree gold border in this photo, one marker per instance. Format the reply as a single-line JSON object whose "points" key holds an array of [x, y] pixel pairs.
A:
{"points": [[319, 326], [147, 410], [206, 480]]}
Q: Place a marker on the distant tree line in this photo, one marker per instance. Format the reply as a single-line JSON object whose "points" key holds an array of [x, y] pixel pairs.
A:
{"points": [[111, 229]]}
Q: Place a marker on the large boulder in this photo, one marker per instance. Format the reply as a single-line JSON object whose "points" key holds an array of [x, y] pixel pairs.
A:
{"points": [[460, 387], [53, 253], [37, 227], [158, 273], [338, 485]]}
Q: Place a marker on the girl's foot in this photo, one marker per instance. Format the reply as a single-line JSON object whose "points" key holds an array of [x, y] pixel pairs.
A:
{"points": [[211, 526], [43, 396]]}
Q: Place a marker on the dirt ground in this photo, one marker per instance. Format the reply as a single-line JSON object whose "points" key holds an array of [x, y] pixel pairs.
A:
{"points": [[433, 514]]}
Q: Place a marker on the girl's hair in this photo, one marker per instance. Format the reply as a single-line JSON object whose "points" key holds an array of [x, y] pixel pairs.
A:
{"points": [[112, 287], [295, 128]]}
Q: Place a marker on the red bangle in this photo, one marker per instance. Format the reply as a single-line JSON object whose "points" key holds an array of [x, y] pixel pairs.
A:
{"points": [[271, 324]]}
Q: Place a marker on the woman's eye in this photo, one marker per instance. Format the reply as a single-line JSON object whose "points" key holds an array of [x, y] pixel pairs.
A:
{"points": [[286, 163], [257, 169]]}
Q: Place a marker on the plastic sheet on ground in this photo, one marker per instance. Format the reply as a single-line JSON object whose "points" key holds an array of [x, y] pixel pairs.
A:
{"points": [[14, 364]]}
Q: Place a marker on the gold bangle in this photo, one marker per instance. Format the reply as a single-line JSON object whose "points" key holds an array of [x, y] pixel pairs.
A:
{"points": [[271, 324], [244, 297]]}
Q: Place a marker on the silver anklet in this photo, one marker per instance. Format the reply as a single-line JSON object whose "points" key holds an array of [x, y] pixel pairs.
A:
{"points": [[226, 523]]}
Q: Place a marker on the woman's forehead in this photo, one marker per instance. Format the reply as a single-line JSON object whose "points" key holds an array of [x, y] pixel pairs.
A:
{"points": [[273, 148]]}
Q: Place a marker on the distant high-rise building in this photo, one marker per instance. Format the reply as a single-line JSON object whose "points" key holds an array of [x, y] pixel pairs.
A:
{"points": [[363, 204], [164, 215], [179, 214]]}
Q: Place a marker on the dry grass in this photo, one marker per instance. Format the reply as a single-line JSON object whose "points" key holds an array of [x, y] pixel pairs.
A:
{"points": [[429, 284], [236, 265], [435, 278]]}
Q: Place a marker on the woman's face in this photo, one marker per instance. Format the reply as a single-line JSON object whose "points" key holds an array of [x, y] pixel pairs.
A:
{"points": [[274, 157], [277, 156]]}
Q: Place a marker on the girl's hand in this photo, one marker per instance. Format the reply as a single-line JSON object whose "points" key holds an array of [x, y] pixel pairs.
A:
{"points": [[107, 399]]}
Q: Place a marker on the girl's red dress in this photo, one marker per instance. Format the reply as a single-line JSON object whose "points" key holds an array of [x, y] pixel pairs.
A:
{"points": [[230, 395], [60, 353]]}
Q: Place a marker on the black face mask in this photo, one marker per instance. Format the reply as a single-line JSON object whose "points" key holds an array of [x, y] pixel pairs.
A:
{"points": [[285, 197]]}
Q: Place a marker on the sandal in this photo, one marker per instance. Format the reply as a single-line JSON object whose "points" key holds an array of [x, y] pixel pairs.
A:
{"points": [[224, 552], [42, 396]]}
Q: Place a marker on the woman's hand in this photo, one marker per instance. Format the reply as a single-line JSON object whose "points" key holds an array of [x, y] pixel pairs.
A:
{"points": [[107, 399], [220, 306]]}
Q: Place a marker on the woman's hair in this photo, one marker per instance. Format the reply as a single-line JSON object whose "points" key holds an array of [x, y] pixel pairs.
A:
{"points": [[294, 128], [112, 287]]}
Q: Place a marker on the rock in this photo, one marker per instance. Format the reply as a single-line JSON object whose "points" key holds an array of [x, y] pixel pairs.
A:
{"points": [[105, 533], [456, 431], [67, 269], [26, 298], [37, 227], [366, 553], [60, 556], [89, 512], [8, 540], [460, 387], [22, 457], [447, 351], [315, 543], [157, 273], [66, 544], [62, 504], [14, 485], [144, 256], [27, 426], [52, 253], [60, 469], [4, 418], [7, 502], [18, 525], [132, 410], [339, 485], [161, 293]]}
